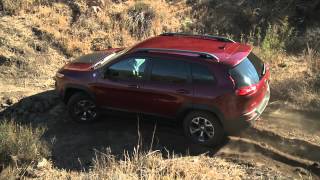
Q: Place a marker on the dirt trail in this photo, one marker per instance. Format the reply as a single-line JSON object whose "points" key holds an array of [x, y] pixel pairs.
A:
{"points": [[292, 124], [285, 140], [292, 146]]}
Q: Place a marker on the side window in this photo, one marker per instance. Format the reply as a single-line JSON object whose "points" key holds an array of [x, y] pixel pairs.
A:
{"points": [[169, 71], [132, 68], [201, 74]]}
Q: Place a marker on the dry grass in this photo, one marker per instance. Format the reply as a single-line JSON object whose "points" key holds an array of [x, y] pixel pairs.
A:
{"points": [[117, 25], [143, 166], [25, 60], [46, 35], [152, 166], [20, 145], [23, 155], [294, 78], [39, 36]]}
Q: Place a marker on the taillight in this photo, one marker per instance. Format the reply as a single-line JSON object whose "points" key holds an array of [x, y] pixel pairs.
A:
{"points": [[244, 91]]}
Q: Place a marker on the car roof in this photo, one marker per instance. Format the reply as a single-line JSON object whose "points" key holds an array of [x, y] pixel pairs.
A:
{"points": [[223, 50]]}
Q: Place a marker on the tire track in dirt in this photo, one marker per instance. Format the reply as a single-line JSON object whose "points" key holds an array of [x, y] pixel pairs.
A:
{"points": [[263, 142], [294, 147], [241, 145]]}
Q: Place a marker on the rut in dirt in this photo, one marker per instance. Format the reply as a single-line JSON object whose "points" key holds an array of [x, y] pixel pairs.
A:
{"points": [[294, 147], [239, 146]]}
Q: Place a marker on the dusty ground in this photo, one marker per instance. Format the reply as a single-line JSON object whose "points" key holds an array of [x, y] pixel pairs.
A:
{"points": [[283, 143]]}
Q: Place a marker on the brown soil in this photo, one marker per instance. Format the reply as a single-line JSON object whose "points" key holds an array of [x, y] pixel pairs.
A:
{"points": [[280, 142]]}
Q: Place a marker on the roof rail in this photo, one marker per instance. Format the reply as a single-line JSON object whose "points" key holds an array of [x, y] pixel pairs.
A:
{"points": [[219, 38], [201, 54]]}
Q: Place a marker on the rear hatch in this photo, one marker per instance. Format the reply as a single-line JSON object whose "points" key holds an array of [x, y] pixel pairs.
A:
{"points": [[250, 77]]}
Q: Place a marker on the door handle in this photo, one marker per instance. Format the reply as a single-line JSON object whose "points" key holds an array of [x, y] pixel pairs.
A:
{"points": [[133, 86], [182, 91]]}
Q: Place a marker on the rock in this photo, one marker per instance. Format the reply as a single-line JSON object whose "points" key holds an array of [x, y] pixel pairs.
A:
{"points": [[301, 171], [258, 173], [43, 163], [11, 100], [316, 165], [4, 60], [36, 31], [282, 65]]}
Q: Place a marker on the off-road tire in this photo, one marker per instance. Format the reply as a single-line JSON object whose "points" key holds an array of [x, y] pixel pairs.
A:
{"points": [[218, 132], [73, 104]]}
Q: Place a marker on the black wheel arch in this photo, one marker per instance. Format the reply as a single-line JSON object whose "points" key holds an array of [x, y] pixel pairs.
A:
{"points": [[187, 108], [71, 89]]}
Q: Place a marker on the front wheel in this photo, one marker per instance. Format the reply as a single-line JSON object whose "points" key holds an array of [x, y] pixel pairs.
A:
{"points": [[203, 128], [82, 108]]}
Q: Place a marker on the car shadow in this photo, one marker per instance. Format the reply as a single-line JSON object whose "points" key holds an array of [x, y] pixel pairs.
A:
{"points": [[74, 145]]}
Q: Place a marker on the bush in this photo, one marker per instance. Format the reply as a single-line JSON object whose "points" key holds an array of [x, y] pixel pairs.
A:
{"points": [[13, 7], [151, 165], [140, 20], [278, 36], [20, 144]]}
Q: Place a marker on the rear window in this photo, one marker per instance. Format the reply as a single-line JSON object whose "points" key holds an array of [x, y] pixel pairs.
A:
{"points": [[169, 71], [258, 64], [248, 72], [201, 74]]}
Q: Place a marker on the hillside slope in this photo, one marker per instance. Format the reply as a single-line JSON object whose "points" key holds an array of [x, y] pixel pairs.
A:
{"points": [[38, 140]]}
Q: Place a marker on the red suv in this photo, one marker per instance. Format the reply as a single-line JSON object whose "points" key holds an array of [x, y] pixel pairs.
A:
{"points": [[211, 84]]}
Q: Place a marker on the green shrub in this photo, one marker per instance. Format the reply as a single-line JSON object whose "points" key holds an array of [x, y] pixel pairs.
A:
{"points": [[278, 36], [20, 144]]}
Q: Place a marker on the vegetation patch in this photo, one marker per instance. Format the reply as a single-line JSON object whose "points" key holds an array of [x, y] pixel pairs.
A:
{"points": [[20, 145], [38, 36], [14, 7], [140, 19]]}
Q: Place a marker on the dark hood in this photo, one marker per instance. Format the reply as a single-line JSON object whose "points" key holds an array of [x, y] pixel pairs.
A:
{"points": [[92, 58], [86, 62]]}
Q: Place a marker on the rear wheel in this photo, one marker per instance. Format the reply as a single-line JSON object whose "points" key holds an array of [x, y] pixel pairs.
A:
{"points": [[203, 128], [82, 108]]}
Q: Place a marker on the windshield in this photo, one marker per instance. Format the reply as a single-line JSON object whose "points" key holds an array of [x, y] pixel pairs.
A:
{"points": [[110, 57]]}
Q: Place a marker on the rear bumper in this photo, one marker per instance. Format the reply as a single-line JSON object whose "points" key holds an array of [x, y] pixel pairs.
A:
{"points": [[253, 115], [236, 126]]}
